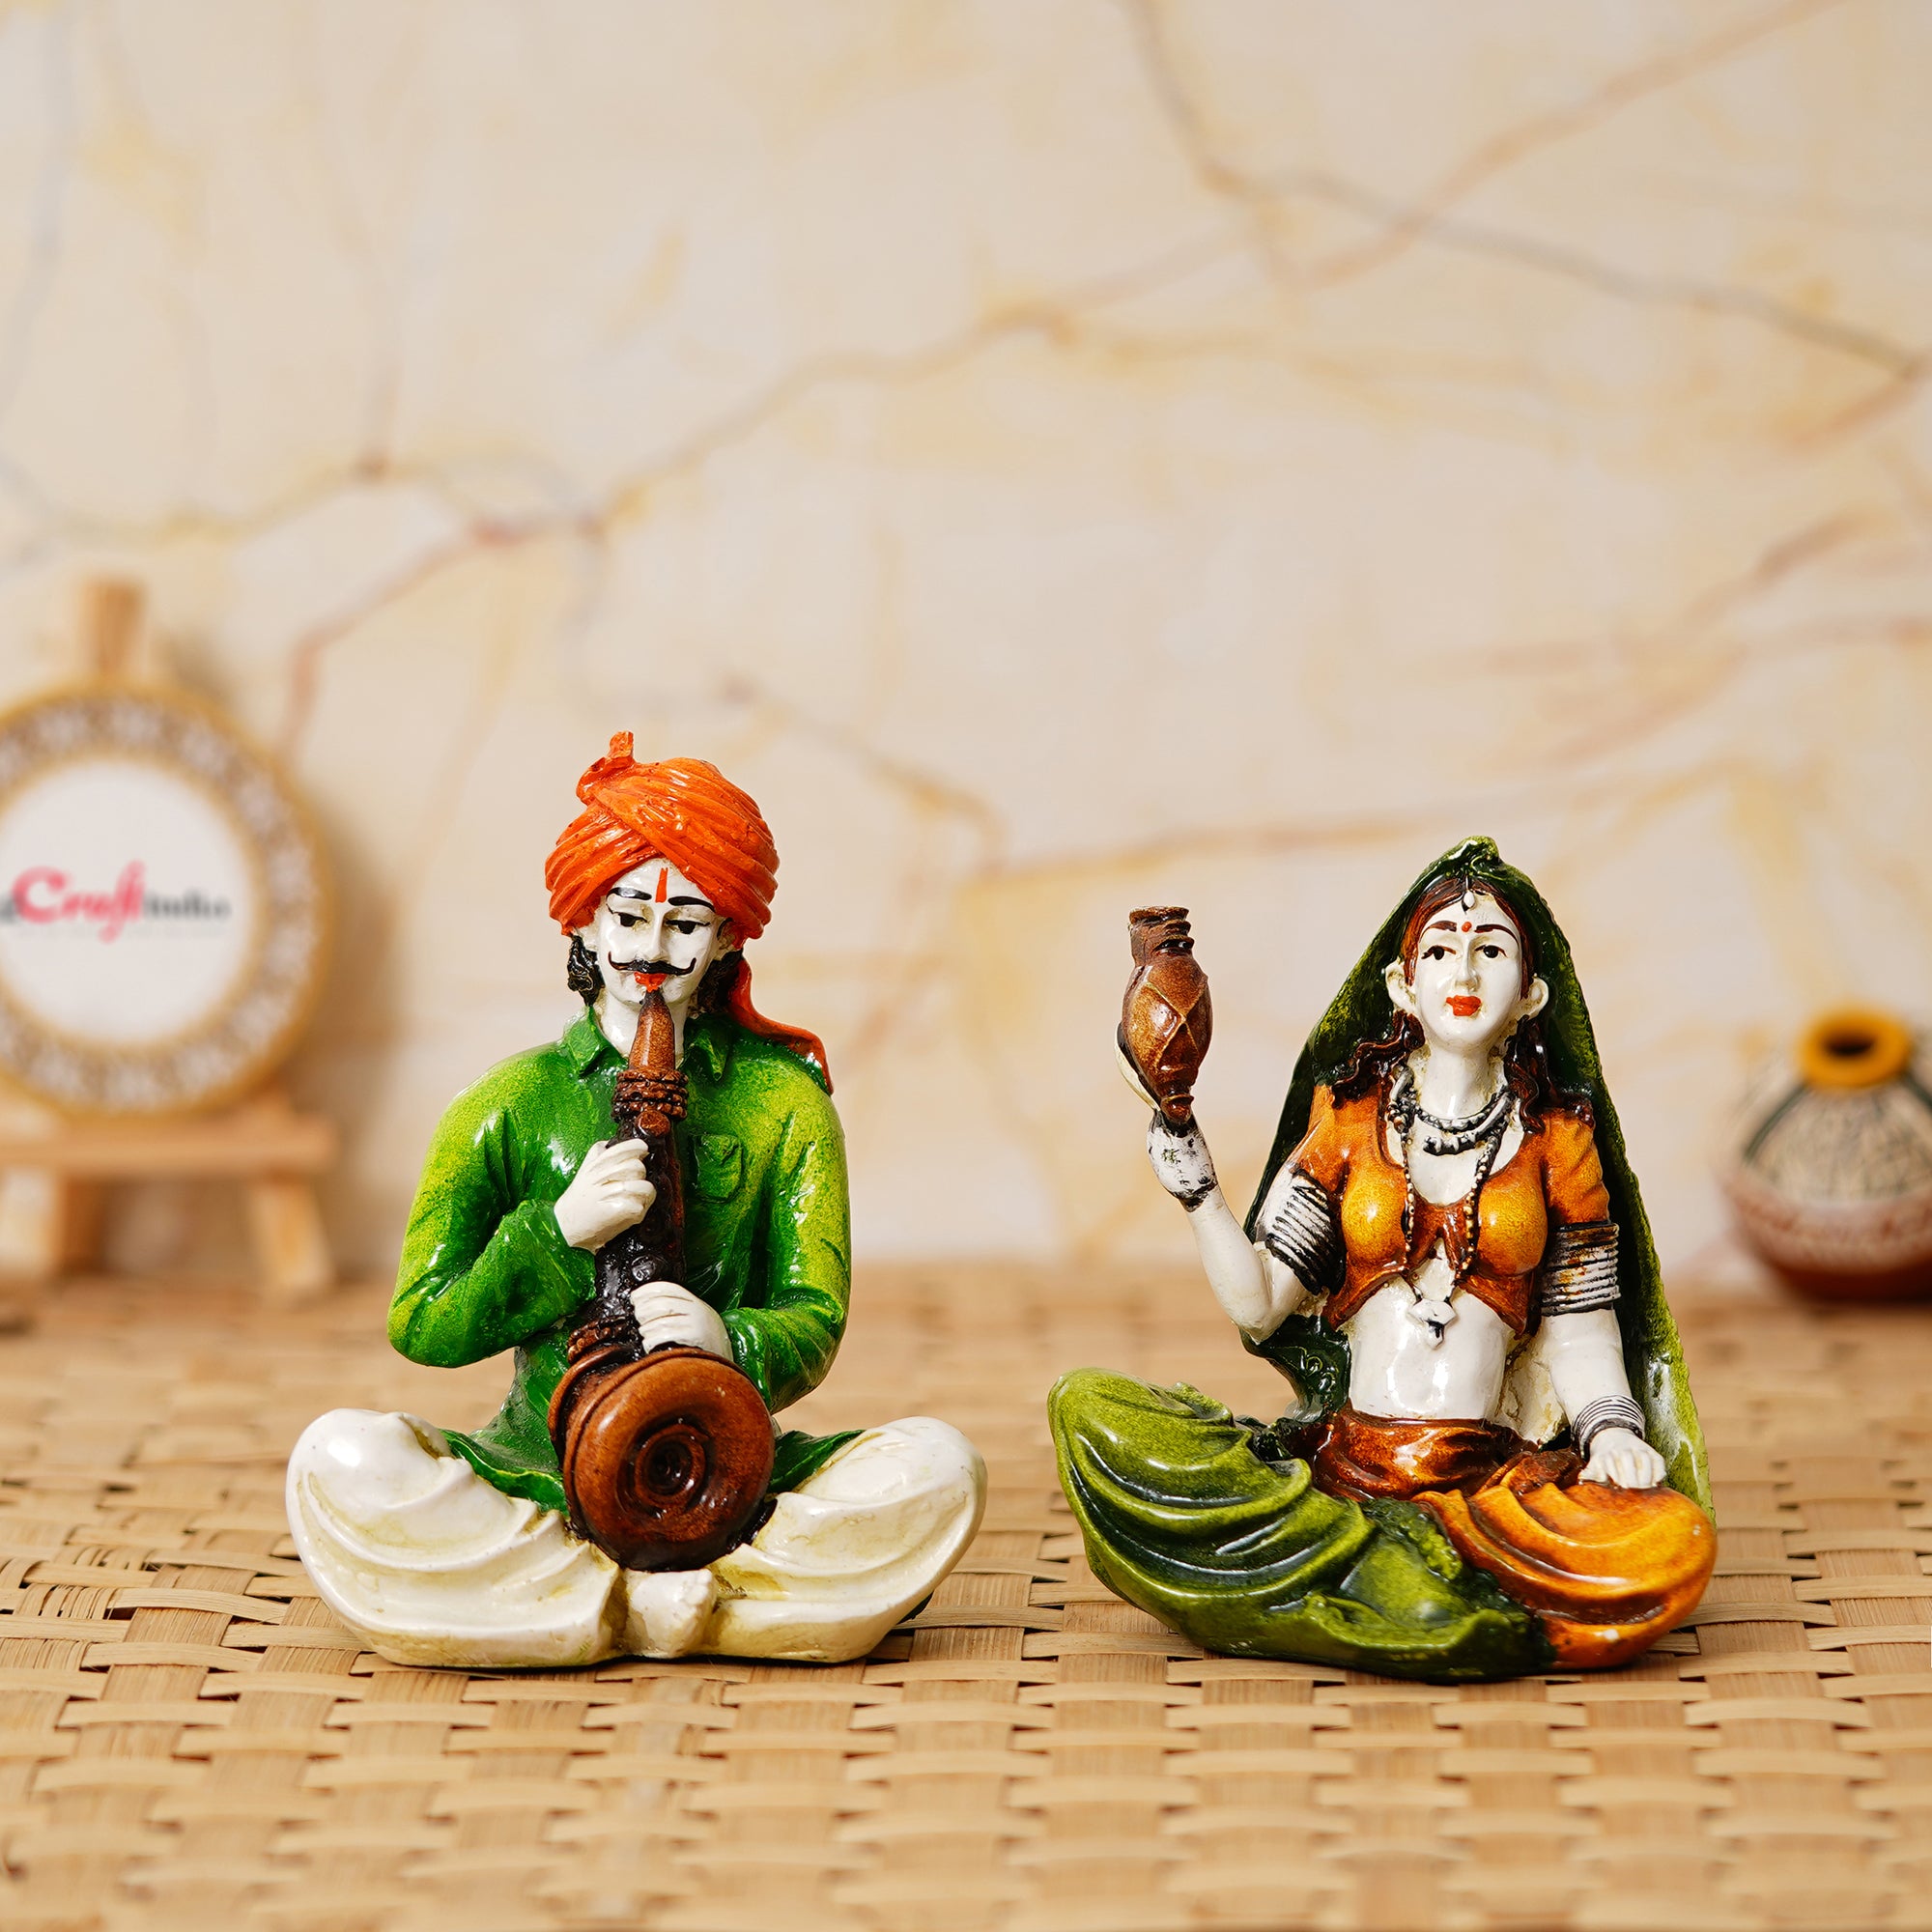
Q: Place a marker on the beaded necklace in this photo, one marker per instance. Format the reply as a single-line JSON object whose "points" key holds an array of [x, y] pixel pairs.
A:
{"points": [[1446, 1137], [1482, 1129]]}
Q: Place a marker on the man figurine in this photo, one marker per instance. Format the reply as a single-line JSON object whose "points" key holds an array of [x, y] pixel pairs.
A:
{"points": [[437, 1548]]}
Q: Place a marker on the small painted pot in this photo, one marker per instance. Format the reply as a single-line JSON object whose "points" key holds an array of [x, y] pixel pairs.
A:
{"points": [[1829, 1164]]}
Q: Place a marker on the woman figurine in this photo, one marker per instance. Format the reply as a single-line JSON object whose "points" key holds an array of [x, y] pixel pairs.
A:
{"points": [[1449, 1260], [440, 1547]]}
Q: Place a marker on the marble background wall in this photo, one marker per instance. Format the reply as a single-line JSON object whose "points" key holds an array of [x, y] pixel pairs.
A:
{"points": [[1057, 458]]}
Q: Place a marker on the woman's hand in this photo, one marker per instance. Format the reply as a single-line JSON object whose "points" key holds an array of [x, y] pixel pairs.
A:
{"points": [[1181, 1162], [1584, 1355], [668, 1313], [608, 1194], [1621, 1457]]}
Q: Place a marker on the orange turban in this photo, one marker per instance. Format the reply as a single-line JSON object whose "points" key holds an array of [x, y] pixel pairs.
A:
{"points": [[686, 811], [679, 809]]}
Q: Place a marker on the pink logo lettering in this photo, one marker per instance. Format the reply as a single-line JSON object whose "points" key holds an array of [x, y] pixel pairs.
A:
{"points": [[41, 895], [41, 912], [125, 903]]}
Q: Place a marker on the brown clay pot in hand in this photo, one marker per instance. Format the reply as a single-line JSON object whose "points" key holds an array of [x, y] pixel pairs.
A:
{"points": [[1166, 1018]]}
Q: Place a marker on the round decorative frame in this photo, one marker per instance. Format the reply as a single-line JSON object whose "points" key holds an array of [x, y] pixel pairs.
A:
{"points": [[265, 1003]]}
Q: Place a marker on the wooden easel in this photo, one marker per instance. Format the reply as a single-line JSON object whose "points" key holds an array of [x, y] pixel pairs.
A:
{"points": [[55, 1172]]}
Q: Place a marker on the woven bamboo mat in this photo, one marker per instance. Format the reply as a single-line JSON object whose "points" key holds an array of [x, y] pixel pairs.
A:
{"points": [[187, 1739]]}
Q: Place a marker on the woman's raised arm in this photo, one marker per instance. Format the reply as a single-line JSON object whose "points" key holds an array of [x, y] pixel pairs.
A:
{"points": [[1256, 1290]]}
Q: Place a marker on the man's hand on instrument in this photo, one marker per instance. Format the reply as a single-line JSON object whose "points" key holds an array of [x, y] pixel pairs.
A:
{"points": [[669, 1313], [608, 1194]]}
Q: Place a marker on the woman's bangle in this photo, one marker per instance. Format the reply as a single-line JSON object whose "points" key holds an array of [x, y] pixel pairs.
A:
{"points": [[1610, 1411]]}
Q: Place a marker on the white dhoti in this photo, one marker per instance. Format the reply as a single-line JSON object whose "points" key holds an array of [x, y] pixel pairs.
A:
{"points": [[429, 1564]]}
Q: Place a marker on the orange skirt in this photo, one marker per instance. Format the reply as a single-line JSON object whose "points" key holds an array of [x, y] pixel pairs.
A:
{"points": [[1606, 1570]]}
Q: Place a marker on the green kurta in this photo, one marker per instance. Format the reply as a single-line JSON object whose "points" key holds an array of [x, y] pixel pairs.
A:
{"points": [[767, 1231]]}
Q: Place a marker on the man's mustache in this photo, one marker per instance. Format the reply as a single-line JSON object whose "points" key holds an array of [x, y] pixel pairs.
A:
{"points": [[668, 968]]}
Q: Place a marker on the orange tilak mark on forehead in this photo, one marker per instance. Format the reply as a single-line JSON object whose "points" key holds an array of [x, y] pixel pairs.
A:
{"points": [[1465, 925], [664, 884]]}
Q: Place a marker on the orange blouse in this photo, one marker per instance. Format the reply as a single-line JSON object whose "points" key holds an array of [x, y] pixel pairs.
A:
{"points": [[1553, 1178]]}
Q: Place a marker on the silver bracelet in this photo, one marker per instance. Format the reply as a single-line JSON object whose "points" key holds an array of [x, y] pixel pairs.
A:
{"points": [[1610, 1411], [1579, 1269], [1304, 1235]]}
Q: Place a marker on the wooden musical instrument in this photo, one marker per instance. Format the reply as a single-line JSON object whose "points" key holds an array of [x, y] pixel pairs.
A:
{"points": [[666, 1456]]}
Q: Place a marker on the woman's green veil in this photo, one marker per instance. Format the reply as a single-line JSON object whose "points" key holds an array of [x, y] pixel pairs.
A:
{"points": [[1317, 1358]]}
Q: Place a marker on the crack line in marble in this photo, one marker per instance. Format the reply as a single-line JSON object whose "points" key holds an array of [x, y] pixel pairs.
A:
{"points": [[1404, 222], [1044, 317]]}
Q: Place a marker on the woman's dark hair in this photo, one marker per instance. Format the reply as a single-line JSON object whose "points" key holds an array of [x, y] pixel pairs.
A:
{"points": [[1525, 1060]]}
